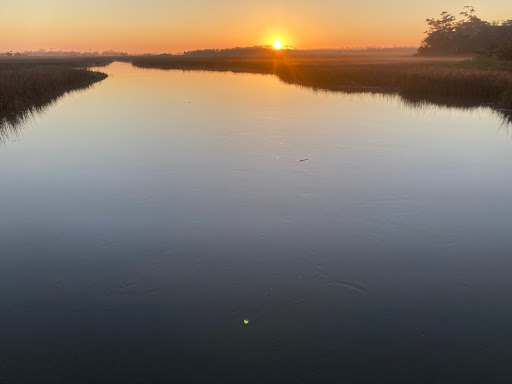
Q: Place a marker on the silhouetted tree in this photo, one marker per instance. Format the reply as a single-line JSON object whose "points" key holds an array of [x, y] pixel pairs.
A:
{"points": [[440, 35], [470, 35]]}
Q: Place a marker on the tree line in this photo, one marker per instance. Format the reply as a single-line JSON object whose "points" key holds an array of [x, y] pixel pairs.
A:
{"points": [[52, 53], [237, 51], [469, 34]]}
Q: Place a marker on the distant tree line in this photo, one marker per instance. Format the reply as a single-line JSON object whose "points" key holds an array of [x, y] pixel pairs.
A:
{"points": [[468, 35], [238, 51], [43, 52]]}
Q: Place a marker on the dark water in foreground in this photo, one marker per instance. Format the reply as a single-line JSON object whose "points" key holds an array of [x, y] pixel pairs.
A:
{"points": [[145, 219]]}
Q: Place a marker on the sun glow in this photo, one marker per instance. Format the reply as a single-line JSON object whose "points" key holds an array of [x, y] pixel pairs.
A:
{"points": [[278, 44]]}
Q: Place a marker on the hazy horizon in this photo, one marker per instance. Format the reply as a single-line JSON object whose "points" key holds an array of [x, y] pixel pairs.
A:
{"points": [[159, 27], [96, 52]]}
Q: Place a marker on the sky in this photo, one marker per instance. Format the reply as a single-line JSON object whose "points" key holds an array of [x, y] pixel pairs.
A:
{"points": [[158, 26]]}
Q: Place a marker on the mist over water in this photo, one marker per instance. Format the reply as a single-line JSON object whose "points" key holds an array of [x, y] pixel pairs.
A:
{"points": [[145, 219]]}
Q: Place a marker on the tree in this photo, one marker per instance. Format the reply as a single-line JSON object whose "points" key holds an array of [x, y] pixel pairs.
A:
{"points": [[469, 35], [440, 35]]}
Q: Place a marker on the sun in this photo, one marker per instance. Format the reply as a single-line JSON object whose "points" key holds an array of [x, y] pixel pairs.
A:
{"points": [[278, 44]]}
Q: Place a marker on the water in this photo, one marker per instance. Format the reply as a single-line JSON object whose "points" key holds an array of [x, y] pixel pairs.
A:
{"points": [[145, 219]]}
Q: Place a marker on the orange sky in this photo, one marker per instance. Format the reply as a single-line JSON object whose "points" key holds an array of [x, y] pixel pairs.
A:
{"points": [[172, 26]]}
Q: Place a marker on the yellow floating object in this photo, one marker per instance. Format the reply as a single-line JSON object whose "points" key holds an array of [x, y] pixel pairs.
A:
{"points": [[246, 321]]}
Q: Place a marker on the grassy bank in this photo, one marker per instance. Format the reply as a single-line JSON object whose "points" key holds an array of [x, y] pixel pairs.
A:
{"points": [[484, 64], [438, 80], [26, 86]]}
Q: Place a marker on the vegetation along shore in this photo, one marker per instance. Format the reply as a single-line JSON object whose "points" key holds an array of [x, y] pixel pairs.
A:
{"points": [[28, 85], [454, 82]]}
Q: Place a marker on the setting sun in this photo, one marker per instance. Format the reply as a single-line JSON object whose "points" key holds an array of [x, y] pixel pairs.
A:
{"points": [[278, 44]]}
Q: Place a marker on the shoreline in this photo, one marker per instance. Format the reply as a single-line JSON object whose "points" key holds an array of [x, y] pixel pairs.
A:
{"points": [[454, 82], [30, 84], [26, 88]]}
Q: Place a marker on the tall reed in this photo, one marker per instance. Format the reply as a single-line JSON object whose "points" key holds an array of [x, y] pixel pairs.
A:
{"points": [[27, 87]]}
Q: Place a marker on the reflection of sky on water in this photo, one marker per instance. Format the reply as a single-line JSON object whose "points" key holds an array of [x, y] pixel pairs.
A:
{"points": [[145, 219]]}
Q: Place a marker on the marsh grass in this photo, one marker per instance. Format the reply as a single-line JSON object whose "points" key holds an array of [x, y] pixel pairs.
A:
{"points": [[483, 64], [441, 81], [26, 88]]}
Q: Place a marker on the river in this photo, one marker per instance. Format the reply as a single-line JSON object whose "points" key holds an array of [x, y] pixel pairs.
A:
{"points": [[193, 227]]}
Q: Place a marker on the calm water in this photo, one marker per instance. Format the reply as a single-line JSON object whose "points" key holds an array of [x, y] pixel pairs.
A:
{"points": [[143, 220]]}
